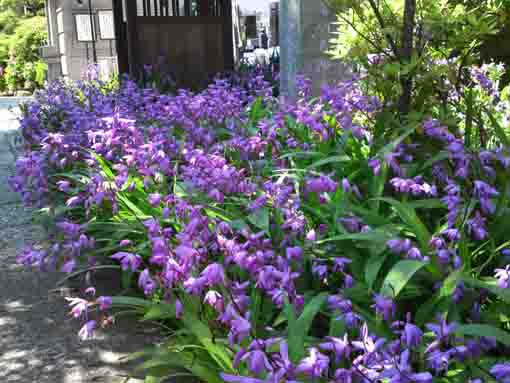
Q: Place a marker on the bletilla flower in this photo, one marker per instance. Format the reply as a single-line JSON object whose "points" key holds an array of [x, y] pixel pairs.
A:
{"points": [[315, 365], [257, 361], [240, 328], [321, 185], [503, 277], [64, 186], [400, 372], [341, 348], [501, 372], [384, 306], [155, 199], [485, 192], [214, 299], [78, 307], [399, 246], [128, 260], [294, 253], [213, 274], [104, 302], [146, 283], [87, 331]]}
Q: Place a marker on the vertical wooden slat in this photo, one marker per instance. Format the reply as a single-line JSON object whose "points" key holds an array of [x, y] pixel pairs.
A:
{"points": [[131, 36], [156, 7], [228, 37], [204, 8], [120, 37]]}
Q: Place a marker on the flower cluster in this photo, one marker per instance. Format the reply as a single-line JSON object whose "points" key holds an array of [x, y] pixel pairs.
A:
{"points": [[306, 247]]}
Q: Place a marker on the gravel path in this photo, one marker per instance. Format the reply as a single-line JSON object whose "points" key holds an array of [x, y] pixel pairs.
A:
{"points": [[38, 341]]}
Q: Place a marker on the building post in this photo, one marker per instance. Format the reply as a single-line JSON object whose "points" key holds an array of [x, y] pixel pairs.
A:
{"points": [[305, 31], [291, 46], [131, 13]]}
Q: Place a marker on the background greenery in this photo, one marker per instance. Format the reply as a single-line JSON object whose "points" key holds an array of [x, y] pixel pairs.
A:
{"points": [[22, 32]]}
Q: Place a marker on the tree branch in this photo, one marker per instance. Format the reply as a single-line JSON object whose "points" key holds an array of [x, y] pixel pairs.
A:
{"points": [[406, 54], [381, 22]]}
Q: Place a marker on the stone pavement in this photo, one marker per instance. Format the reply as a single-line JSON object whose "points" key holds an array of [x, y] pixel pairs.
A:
{"points": [[38, 340]]}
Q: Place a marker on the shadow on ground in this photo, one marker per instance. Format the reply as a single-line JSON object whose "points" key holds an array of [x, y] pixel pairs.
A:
{"points": [[38, 340]]}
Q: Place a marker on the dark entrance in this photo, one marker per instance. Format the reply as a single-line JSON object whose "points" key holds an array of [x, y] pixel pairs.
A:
{"points": [[192, 39]]}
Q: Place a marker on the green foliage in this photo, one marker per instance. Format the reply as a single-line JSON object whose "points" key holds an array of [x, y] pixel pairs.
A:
{"points": [[20, 40]]}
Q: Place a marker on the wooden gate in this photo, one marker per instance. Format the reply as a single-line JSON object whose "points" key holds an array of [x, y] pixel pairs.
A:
{"points": [[190, 39]]}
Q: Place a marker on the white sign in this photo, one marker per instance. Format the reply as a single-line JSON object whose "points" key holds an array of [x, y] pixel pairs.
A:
{"points": [[106, 25], [83, 27]]}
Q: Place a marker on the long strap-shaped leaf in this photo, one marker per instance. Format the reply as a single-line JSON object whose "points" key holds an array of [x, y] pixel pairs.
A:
{"points": [[299, 328]]}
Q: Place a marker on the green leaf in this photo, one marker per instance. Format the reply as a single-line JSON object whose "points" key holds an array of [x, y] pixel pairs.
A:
{"points": [[500, 132], [372, 268], [372, 236], [299, 328], [260, 219], [409, 216], [504, 294], [329, 160], [140, 303], [399, 276], [443, 155], [450, 284], [160, 311], [484, 330], [392, 145], [202, 332]]}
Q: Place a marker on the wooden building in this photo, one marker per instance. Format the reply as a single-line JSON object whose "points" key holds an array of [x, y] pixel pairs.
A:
{"points": [[190, 39]]}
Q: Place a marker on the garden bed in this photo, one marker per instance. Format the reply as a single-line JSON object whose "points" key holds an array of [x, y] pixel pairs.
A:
{"points": [[315, 241]]}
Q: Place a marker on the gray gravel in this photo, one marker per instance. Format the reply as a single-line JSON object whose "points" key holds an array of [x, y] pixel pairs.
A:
{"points": [[38, 340]]}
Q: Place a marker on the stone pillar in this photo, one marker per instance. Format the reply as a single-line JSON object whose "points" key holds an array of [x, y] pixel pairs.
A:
{"points": [[274, 12], [291, 46], [65, 31], [305, 31]]}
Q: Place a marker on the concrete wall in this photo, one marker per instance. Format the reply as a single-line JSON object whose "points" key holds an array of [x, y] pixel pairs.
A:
{"points": [[65, 51]]}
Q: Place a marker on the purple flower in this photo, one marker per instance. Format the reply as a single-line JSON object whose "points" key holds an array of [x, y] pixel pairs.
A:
{"points": [[340, 347], [375, 165], [104, 302], [311, 236], [155, 199], [294, 253], [503, 277], [412, 335], [186, 252], [384, 306], [128, 260], [178, 308], [125, 243], [78, 307], [501, 372], [69, 266], [257, 361], [87, 330], [213, 274], [315, 365], [73, 201], [214, 299], [64, 186], [485, 192], [240, 328], [321, 185], [399, 246], [146, 283]]}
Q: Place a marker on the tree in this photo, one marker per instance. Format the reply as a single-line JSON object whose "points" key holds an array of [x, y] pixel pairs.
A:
{"points": [[22, 6]]}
